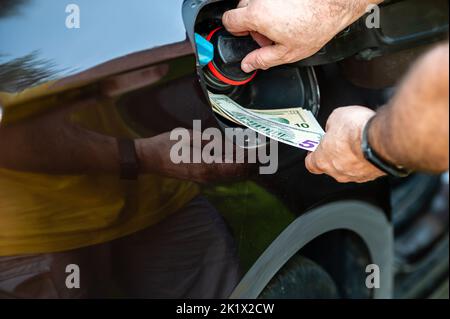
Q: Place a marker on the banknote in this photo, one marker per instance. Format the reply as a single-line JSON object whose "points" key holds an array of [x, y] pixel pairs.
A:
{"points": [[297, 117], [296, 128], [220, 112]]}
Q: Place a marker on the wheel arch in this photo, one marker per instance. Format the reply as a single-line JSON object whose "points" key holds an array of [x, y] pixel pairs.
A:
{"points": [[365, 220]]}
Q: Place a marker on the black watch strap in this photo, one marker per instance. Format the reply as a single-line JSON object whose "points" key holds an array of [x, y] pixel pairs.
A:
{"points": [[129, 163], [375, 159]]}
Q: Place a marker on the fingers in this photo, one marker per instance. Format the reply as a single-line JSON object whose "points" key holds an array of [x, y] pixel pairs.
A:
{"points": [[314, 168], [243, 3], [311, 165], [262, 40], [237, 22], [264, 58]]}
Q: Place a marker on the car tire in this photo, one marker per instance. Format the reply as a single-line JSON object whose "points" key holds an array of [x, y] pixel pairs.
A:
{"points": [[301, 278]]}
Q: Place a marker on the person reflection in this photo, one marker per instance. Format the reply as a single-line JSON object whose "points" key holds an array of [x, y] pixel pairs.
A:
{"points": [[62, 203]]}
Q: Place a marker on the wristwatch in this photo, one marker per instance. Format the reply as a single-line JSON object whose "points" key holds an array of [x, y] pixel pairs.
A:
{"points": [[375, 159], [129, 163]]}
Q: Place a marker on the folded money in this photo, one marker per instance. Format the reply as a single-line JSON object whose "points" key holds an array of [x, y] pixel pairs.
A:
{"points": [[293, 126], [296, 116]]}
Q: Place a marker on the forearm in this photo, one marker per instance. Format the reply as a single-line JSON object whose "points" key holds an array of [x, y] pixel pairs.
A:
{"points": [[323, 19], [52, 144], [354, 10], [336, 15], [412, 130]]}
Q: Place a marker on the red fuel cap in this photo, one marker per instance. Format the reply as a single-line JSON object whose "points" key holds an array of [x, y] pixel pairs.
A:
{"points": [[229, 51]]}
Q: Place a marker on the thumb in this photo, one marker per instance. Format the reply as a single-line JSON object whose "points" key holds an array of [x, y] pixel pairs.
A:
{"points": [[264, 58], [236, 21]]}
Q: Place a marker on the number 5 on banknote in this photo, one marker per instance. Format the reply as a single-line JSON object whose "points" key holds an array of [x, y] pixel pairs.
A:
{"points": [[308, 144]]}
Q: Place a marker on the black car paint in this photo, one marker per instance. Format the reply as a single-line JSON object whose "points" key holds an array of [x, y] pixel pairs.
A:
{"points": [[116, 37], [140, 54], [164, 82]]}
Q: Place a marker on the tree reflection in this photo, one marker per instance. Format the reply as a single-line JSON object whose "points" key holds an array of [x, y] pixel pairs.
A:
{"points": [[24, 72], [10, 7]]}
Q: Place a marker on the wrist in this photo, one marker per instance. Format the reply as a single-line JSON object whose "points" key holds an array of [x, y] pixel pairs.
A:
{"points": [[358, 138], [375, 157], [128, 160], [146, 155], [354, 10], [376, 134]]}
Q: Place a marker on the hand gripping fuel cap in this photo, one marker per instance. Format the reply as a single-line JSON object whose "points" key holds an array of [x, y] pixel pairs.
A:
{"points": [[229, 51]]}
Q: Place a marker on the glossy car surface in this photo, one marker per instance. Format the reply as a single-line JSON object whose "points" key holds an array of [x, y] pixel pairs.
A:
{"points": [[139, 55]]}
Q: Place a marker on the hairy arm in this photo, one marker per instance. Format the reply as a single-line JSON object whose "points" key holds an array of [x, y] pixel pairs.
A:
{"points": [[412, 130], [52, 144]]}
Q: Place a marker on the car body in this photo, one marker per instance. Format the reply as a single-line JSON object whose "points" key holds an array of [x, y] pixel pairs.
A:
{"points": [[141, 55]]}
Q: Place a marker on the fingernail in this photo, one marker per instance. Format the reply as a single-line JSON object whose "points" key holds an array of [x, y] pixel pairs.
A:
{"points": [[247, 68]]}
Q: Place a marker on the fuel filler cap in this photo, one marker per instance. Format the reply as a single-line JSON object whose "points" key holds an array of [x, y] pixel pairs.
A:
{"points": [[225, 68]]}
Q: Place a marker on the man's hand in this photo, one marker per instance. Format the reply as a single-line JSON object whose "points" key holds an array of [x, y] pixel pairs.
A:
{"points": [[154, 155], [339, 154], [290, 30]]}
